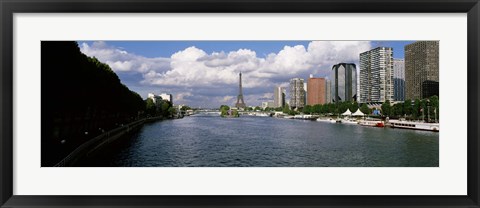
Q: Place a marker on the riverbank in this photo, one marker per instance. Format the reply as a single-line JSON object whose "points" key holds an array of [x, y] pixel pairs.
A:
{"points": [[102, 140]]}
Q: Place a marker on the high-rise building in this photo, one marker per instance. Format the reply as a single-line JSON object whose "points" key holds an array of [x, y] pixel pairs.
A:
{"points": [[399, 79], [376, 75], [344, 82], [316, 91], [279, 97], [297, 93], [421, 65], [328, 91]]}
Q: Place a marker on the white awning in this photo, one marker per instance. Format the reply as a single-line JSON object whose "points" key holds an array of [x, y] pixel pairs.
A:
{"points": [[347, 113], [358, 113]]}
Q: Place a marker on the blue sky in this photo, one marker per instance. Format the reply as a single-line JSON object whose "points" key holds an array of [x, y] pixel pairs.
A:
{"points": [[153, 49], [205, 73]]}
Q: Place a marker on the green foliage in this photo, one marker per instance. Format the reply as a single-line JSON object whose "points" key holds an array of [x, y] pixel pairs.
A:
{"points": [[80, 88], [364, 108], [386, 108], [150, 108], [308, 109], [226, 112], [184, 108], [279, 109]]}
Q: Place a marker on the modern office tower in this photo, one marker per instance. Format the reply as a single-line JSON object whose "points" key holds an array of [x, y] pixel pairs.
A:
{"points": [[279, 97], [316, 91], [297, 93], [328, 90], [421, 65], [376, 75], [344, 82], [399, 79]]}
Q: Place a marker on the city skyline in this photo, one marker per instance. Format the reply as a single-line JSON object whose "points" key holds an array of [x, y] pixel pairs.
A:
{"points": [[205, 73]]}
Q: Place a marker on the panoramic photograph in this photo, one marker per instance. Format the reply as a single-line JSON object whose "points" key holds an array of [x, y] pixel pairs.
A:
{"points": [[240, 103]]}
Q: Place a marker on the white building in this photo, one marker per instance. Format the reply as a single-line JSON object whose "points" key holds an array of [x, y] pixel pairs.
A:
{"points": [[376, 75], [167, 97], [269, 104], [279, 97], [155, 98]]}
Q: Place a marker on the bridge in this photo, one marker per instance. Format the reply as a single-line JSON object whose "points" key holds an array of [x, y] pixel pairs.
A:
{"points": [[206, 112]]}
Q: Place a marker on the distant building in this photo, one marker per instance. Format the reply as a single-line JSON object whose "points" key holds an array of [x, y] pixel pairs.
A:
{"points": [[167, 97], [155, 98], [399, 79], [316, 93], [279, 97], [268, 104], [344, 82], [328, 91], [421, 64], [376, 75], [297, 93]]}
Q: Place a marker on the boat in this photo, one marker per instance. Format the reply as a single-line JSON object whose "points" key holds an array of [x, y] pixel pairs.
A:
{"points": [[349, 121], [329, 120], [415, 125], [374, 123]]}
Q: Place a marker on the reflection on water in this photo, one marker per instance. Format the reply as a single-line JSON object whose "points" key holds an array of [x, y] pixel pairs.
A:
{"points": [[269, 142]]}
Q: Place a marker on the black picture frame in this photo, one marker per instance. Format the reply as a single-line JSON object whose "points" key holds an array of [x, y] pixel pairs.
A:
{"points": [[10, 7]]}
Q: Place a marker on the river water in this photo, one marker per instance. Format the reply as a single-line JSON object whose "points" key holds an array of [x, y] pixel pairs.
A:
{"points": [[249, 141]]}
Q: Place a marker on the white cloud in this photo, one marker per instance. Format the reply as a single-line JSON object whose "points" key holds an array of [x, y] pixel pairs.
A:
{"points": [[196, 70], [121, 60]]}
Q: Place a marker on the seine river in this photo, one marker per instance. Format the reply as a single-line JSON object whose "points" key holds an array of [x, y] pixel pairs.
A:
{"points": [[250, 141]]}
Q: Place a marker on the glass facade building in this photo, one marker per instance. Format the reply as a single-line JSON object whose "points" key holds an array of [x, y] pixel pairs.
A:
{"points": [[399, 79], [343, 85]]}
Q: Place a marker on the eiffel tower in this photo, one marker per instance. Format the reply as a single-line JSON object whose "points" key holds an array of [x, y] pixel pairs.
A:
{"points": [[240, 102]]}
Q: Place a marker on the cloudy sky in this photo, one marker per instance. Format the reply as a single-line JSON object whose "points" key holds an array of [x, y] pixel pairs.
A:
{"points": [[205, 73]]}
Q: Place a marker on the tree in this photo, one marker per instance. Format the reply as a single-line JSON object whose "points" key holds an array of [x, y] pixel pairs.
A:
{"points": [[353, 107], [150, 108], [386, 108], [307, 109], [184, 108], [286, 109], [416, 109], [407, 107], [397, 110], [364, 108], [434, 107], [164, 108]]}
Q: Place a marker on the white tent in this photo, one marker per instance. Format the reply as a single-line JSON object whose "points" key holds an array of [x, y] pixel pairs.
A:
{"points": [[358, 113], [347, 113]]}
